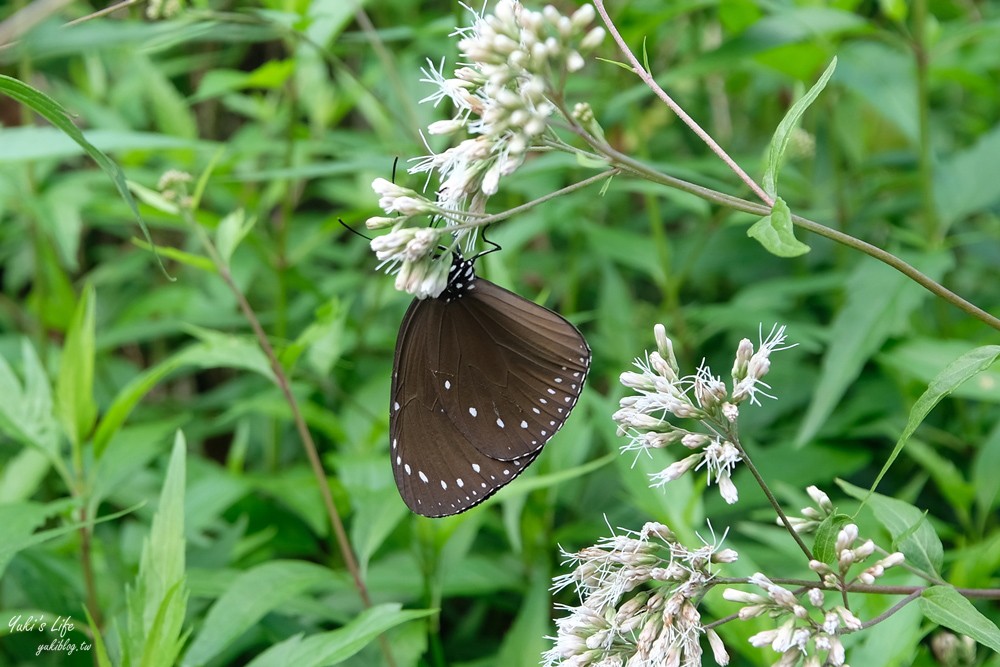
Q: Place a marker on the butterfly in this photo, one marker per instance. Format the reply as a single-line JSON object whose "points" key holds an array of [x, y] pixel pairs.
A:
{"points": [[482, 379]]}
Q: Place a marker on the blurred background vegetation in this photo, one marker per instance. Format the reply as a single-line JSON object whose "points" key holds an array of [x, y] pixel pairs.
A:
{"points": [[295, 106]]}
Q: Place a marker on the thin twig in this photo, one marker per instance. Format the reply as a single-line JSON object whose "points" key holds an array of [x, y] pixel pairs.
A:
{"points": [[633, 166], [647, 78], [305, 436], [503, 215], [892, 610], [770, 496], [102, 12]]}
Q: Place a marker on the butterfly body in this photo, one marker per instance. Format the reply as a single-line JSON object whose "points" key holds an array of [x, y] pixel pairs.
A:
{"points": [[482, 378]]}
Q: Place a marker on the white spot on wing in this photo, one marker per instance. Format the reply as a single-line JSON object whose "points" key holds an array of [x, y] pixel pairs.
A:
{"points": [[499, 422], [506, 471], [524, 424], [558, 380], [447, 384], [473, 412], [551, 391], [459, 482], [395, 405], [444, 484], [475, 466], [423, 477], [406, 467]]}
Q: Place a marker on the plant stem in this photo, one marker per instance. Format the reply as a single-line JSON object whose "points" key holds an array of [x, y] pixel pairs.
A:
{"points": [[932, 227], [647, 78], [630, 164], [626, 163], [306, 437], [733, 438]]}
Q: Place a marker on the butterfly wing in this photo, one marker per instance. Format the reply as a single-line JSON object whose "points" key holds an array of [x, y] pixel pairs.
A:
{"points": [[508, 371], [437, 469]]}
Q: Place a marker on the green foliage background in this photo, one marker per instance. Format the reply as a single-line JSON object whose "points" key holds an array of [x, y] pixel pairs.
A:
{"points": [[294, 108]]}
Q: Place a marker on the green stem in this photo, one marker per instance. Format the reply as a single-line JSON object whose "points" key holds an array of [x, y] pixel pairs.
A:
{"points": [[932, 223], [312, 453]]}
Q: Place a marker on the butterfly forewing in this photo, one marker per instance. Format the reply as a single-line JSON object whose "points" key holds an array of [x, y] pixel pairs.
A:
{"points": [[482, 378]]}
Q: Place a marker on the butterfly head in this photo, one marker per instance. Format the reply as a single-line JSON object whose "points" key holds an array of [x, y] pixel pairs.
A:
{"points": [[461, 278]]}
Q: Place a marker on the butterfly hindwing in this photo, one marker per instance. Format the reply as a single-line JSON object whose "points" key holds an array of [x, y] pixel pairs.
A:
{"points": [[482, 378], [437, 470], [519, 368]]}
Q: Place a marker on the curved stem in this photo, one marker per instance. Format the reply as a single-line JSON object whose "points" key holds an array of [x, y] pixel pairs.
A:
{"points": [[647, 78], [281, 378], [633, 166], [497, 217], [629, 164], [770, 496]]}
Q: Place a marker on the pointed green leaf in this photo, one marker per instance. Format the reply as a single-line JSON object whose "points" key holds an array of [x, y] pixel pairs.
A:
{"points": [[775, 233], [75, 404], [254, 593], [911, 533], [826, 538], [331, 648], [779, 142], [968, 365], [58, 116], [157, 603], [946, 606]]}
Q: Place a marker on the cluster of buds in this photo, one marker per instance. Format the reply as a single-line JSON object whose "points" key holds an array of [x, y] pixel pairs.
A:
{"points": [[638, 602], [850, 554], [516, 63], [664, 394], [808, 632]]}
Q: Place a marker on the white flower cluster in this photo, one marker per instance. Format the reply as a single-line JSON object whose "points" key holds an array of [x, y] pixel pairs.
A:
{"points": [[663, 394], [516, 63], [849, 555], [638, 603], [806, 622]]}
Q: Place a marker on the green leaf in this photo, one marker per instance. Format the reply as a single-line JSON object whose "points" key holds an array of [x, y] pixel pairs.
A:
{"points": [[965, 183], [957, 372], [26, 413], [889, 89], [157, 602], [215, 351], [779, 142], [199, 262], [75, 405], [921, 359], [946, 606], [879, 299], [231, 231], [55, 114], [100, 650], [826, 538], [912, 534], [331, 648], [20, 521], [254, 593], [775, 232]]}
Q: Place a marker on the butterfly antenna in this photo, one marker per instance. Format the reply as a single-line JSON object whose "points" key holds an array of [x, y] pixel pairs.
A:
{"points": [[394, 163], [353, 230], [496, 246]]}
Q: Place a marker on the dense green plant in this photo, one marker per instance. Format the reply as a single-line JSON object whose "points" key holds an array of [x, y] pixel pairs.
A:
{"points": [[195, 356]]}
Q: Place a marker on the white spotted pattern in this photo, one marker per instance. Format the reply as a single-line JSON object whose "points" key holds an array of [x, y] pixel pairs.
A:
{"points": [[502, 354]]}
